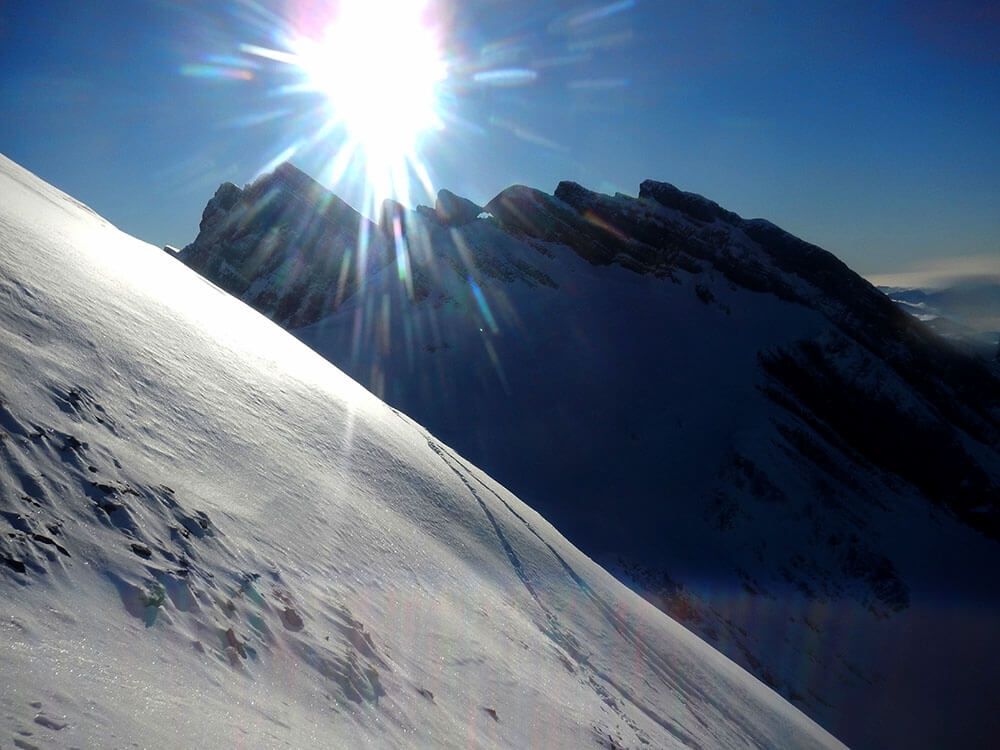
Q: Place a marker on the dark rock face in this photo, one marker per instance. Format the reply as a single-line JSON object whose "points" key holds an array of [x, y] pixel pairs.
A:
{"points": [[454, 210], [524, 211], [690, 204], [926, 451], [393, 214], [225, 198], [285, 246]]}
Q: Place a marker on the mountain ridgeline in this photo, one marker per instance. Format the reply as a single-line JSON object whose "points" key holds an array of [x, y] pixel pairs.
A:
{"points": [[727, 417]]}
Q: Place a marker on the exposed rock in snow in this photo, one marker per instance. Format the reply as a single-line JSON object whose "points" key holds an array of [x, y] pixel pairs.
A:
{"points": [[285, 245]]}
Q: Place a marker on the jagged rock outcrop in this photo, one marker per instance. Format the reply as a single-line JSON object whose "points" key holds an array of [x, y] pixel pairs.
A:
{"points": [[455, 210], [286, 246], [391, 216], [691, 204]]}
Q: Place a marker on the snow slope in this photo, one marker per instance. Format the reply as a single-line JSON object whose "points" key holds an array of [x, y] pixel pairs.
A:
{"points": [[212, 537], [724, 416]]}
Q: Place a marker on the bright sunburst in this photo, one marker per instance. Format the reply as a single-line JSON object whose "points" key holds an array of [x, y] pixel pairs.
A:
{"points": [[380, 65]]}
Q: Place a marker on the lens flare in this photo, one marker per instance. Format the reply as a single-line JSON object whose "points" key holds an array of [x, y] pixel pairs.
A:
{"points": [[379, 66]]}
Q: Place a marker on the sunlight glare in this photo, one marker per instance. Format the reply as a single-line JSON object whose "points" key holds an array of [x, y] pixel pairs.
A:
{"points": [[379, 63]]}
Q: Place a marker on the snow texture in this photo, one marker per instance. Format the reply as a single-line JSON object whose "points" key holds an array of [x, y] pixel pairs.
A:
{"points": [[213, 538]]}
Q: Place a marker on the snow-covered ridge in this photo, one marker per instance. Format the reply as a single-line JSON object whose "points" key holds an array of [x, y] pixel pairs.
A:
{"points": [[726, 416], [212, 537]]}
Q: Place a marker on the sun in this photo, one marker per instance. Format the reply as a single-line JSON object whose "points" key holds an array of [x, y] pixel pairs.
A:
{"points": [[380, 65]]}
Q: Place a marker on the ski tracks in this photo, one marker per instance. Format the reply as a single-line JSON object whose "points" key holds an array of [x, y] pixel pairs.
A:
{"points": [[598, 680]]}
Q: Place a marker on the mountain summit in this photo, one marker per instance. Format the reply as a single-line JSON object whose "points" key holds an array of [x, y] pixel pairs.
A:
{"points": [[270, 244], [729, 418]]}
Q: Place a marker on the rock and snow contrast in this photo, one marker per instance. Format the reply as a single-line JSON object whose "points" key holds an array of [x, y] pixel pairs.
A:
{"points": [[724, 416], [212, 537]]}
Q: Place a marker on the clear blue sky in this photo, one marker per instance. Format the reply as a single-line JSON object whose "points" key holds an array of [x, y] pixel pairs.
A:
{"points": [[870, 128]]}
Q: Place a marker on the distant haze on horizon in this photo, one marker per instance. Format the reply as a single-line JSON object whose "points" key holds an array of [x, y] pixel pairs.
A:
{"points": [[980, 269], [872, 130]]}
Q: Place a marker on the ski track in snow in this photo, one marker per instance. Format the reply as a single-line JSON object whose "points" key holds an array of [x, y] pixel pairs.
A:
{"points": [[621, 626], [554, 629]]}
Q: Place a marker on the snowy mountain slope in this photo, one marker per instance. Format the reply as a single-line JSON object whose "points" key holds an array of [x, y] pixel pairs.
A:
{"points": [[726, 417], [212, 537]]}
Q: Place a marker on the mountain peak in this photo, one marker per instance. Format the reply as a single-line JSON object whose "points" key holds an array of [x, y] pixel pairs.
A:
{"points": [[455, 210], [285, 225]]}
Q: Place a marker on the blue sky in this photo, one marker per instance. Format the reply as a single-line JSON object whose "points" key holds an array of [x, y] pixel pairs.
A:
{"points": [[870, 128]]}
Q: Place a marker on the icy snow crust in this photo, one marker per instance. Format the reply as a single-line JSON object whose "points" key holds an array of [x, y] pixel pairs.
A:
{"points": [[212, 538]]}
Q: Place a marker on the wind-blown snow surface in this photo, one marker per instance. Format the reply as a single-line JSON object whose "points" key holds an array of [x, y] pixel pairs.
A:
{"points": [[212, 537]]}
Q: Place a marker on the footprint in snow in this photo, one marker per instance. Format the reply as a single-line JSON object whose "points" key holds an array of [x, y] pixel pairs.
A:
{"points": [[49, 723]]}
